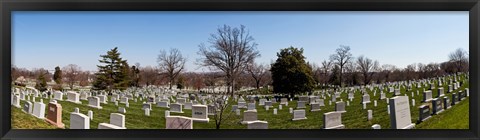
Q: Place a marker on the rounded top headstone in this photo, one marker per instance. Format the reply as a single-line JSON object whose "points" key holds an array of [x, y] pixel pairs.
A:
{"points": [[77, 110]]}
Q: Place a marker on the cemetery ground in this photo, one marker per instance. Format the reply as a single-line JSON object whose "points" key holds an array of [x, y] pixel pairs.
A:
{"points": [[355, 117]]}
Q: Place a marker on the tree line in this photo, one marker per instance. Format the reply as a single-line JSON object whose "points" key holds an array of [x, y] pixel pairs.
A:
{"points": [[230, 54]]}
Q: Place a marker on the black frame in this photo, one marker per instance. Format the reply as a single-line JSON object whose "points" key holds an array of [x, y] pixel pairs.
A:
{"points": [[7, 6]]}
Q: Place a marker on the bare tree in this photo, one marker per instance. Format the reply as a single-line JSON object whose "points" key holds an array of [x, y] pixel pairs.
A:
{"points": [[367, 67], [148, 76], [258, 72], [387, 70], [231, 50], [171, 63], [341, 57], [71, 74], [326, 67], [221, 111], [460, 59]]}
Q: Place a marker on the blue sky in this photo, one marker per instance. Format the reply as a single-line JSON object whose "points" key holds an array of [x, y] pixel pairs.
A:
{"points": [[49, 39]]}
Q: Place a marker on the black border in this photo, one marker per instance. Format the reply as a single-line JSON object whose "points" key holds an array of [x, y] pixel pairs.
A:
{"points": [[7, 6]]}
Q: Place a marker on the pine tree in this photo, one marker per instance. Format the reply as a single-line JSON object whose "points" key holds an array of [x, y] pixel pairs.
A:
{"points": [[290, 73], [57, 77], [113, 74], [41, 83]]}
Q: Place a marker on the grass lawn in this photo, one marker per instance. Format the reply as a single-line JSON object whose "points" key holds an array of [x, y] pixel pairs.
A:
{"points": [[355, 117]]}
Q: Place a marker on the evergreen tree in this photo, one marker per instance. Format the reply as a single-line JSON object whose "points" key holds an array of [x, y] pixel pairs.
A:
{"points": [[41, 83], [57, 77], [290, 73], [113, 74]]}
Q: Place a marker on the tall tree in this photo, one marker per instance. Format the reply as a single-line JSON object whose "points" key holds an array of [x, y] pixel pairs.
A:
{"points": [[257, 72], [41, 83], [57, 75], [341, 57], [110, 75], [367, 67], [290, 73], [171, 63], [71, 74], [231, 50], [460, 58], [326, 66]]}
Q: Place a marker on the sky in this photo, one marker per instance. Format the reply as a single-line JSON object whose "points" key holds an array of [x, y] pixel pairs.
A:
{"points": [[46, 39]]}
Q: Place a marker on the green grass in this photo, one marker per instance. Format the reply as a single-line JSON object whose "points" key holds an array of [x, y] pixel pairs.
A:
{"points": [[22, 120], [354, 118], [453, 118]]}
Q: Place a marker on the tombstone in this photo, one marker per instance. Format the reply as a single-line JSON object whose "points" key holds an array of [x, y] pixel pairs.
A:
{"points": [[27, 107], [124, 100], [79, 121], [181, 100], [199, 113], [237, 112], [90, 114], [301, 104], [382, 96], [146, 105], [437, 106], [73, 97], [234, 107], [303, 98], [257, 125], [424, 113], [251, 106], [94, 102], [446, 103], [15, 101], [188, 105], [39, 109], [299, 115], [122, 110], [370, 115], [400, 117], [366, 98], [427, 96], [315, 107], [440, 92], [340, 107], [76, 110], [167, 113], [54, 115], [211, 109], [262, 102], [376, 126], [242, 105], [249, 116], [450, 88], [321, 102], [178, 122], [283, 101], [147, 112], [163, 104], [57, 95], [413, 102], [332, 120], [454, 99], [467, 91], [268, 103], [397, 92], [375, 103], [127, 105], [290, 110], [102, 99], [351, 96], [117, 121], [176, 107], [274, 111]]}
